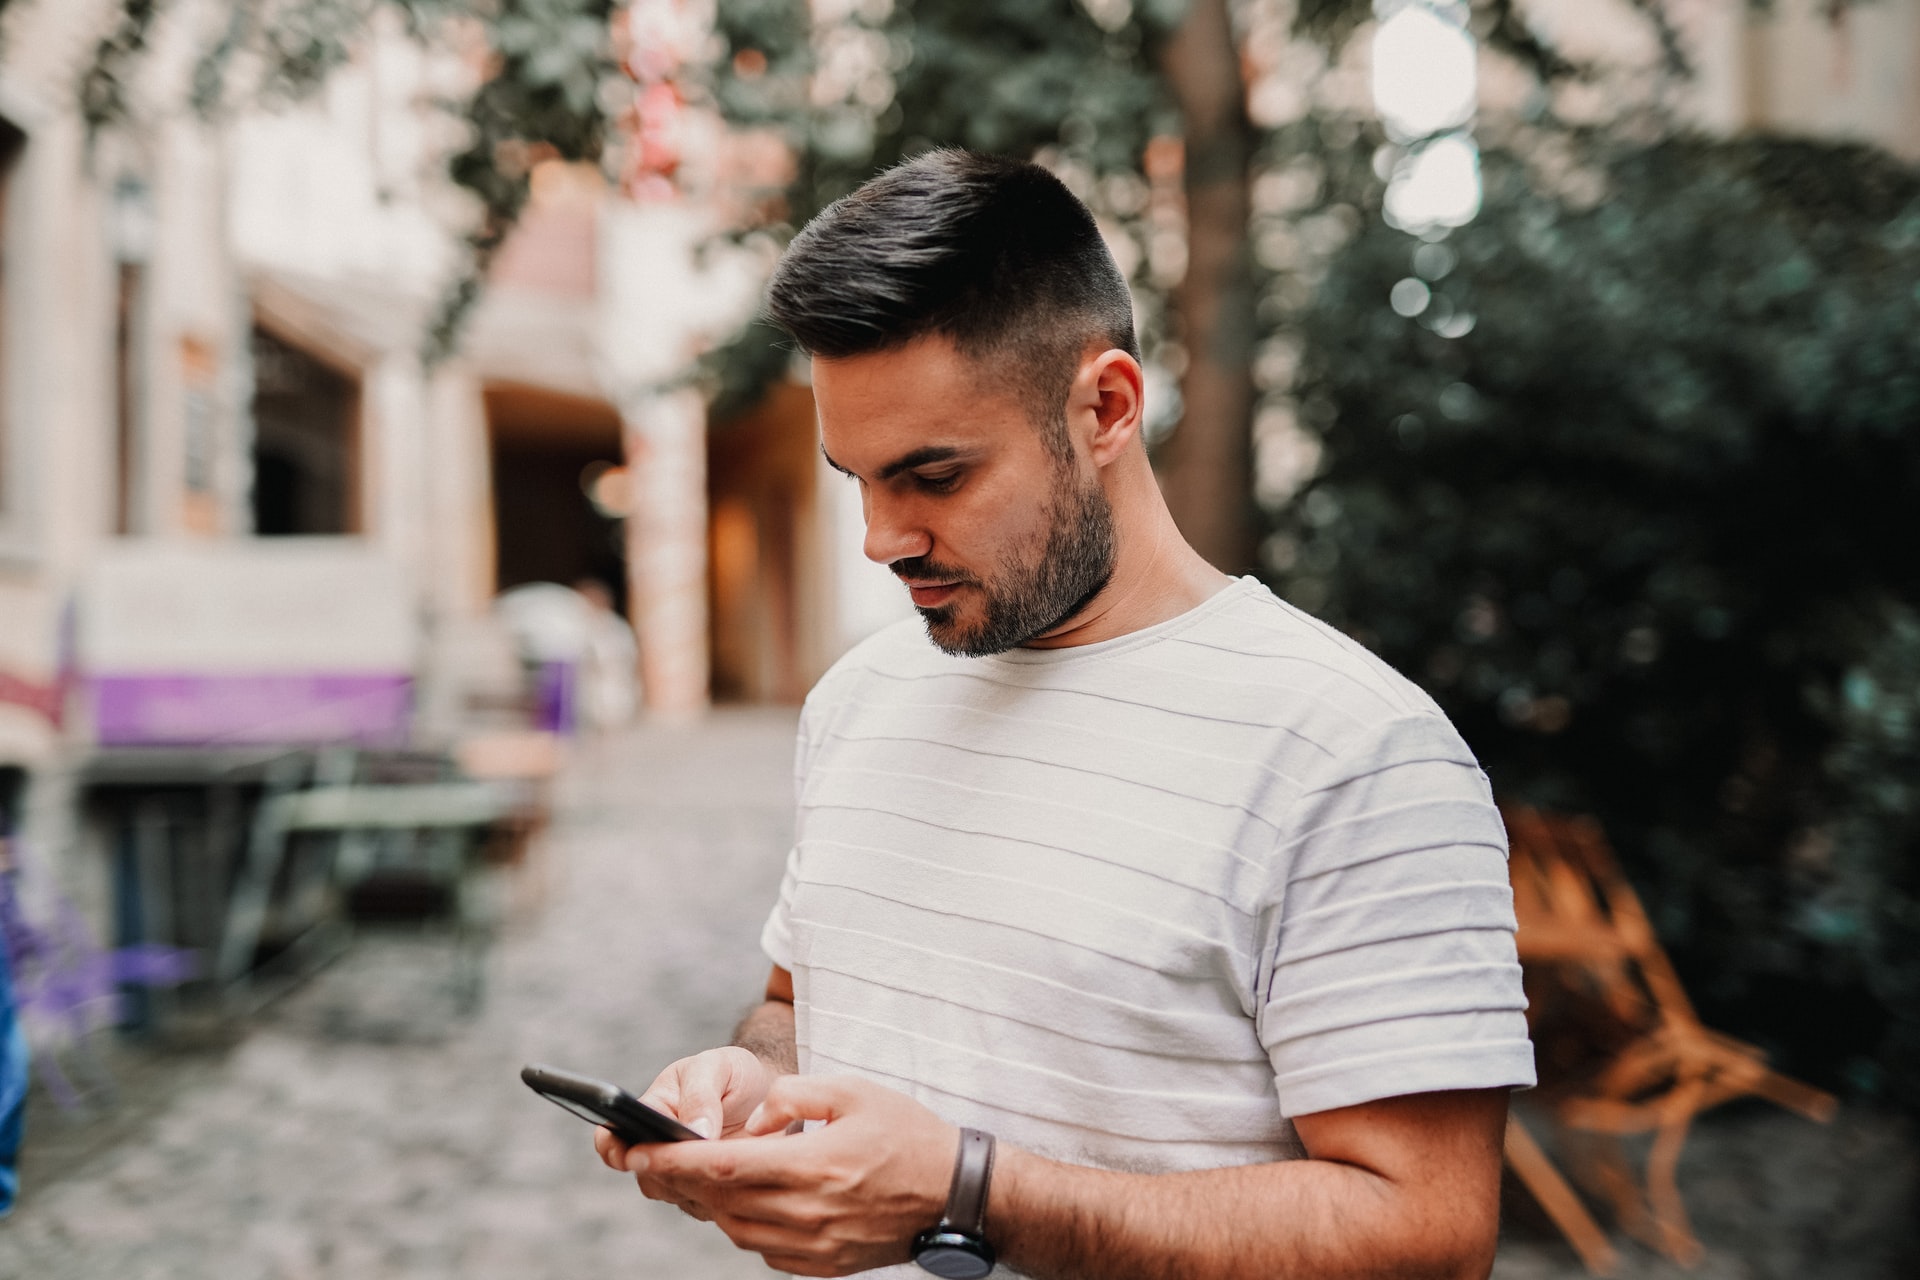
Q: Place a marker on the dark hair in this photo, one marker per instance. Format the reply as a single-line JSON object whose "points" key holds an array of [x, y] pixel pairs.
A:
{"points": [[994, 254]]}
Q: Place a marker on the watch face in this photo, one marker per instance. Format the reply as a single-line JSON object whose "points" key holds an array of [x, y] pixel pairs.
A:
{"points": [[953, 1262]]}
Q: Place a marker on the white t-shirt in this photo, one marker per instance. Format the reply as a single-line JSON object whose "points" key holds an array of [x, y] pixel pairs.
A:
{"points": [[1133, 904]]}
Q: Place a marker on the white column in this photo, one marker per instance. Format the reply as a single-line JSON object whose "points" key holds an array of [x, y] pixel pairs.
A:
{"points": [[458, 534], [666, 448]]}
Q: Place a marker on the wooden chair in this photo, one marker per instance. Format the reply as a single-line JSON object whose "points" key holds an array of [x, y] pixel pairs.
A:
{"points": [[1537, 1173], [1595, 967]]}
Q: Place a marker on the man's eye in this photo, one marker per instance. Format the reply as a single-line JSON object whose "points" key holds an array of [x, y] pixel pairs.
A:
{"points": [[946, 482]]}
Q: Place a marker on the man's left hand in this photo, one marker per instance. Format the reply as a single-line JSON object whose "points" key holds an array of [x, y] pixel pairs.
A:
{"points": [[843, 1197]]}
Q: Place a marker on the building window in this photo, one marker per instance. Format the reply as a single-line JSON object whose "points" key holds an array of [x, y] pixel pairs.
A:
{"points": [[306, 442]]}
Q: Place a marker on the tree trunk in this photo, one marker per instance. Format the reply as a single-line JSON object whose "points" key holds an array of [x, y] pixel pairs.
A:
{"points": [[1206, 465]]}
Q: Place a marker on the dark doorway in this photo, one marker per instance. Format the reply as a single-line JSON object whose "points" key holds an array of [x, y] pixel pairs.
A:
{"points": [[305, 442], [548, 450], [12, 143], [13, 785]]}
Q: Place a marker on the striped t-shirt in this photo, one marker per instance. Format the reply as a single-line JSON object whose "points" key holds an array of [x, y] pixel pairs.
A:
{"points": [[1133, 904]]}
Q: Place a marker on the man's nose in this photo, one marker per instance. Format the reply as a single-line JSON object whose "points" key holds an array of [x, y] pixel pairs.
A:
{"points": [[893, 533]]}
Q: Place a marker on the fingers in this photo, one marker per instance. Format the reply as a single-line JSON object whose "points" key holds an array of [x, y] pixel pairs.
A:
{"points": [[791, 1099], [612, 1151], [707, 1170], [654, 1189], [797, 1237]]}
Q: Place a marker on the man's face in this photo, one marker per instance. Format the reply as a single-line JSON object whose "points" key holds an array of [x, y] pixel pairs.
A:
{"points": [[998, 540]]}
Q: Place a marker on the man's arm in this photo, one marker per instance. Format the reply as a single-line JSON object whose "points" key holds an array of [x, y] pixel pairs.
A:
{"points": [[1403, 1188], [767, 1030]]}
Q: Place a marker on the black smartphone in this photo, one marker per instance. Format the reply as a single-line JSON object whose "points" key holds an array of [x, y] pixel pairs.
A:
{"points": [[598, 1102]]}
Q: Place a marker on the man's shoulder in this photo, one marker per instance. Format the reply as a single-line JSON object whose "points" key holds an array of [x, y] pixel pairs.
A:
{"points": [[1281, 657]]}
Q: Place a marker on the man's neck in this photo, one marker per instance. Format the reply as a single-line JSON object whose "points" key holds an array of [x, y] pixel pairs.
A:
{"points": [[1157, 576]]}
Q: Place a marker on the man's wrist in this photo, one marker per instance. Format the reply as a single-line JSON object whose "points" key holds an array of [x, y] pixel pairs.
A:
{"points": [[956, 1247]]}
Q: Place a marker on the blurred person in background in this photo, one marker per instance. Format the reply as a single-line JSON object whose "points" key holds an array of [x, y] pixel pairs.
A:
{"points": [[609, 691], [580, 656], [1140, 925]]}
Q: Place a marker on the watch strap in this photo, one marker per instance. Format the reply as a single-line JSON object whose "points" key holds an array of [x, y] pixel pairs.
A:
{"points": [[972, 1170]]}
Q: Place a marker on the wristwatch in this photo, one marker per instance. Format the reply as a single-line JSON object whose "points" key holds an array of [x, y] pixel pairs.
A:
{"points": [[957, 1249]]}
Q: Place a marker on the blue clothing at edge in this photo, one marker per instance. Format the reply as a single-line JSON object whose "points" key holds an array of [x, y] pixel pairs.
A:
{"points": [[13, 1088]]}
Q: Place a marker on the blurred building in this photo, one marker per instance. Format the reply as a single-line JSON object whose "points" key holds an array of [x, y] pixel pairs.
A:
{"points": [[238, 510]]}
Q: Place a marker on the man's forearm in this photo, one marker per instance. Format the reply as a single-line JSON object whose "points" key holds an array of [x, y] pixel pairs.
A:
{"points": [[1304, 1218], [767, 1033], [1406, 1188]]}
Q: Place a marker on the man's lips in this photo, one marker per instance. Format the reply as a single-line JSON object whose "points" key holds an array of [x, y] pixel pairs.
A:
{"points": [[930, 595]]}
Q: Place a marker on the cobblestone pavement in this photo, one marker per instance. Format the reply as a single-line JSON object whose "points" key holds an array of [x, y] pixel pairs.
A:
{"points": [[362, 1130]]}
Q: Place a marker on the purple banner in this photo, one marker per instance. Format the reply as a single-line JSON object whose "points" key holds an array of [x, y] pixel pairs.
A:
{"points": [[207, 710]]}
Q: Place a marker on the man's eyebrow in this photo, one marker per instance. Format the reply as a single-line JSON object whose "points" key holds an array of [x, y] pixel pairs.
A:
{"points": [[918, 458]]}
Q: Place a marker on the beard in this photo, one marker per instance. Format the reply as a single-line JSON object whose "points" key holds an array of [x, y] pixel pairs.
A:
{"points": [[1030, 595]]}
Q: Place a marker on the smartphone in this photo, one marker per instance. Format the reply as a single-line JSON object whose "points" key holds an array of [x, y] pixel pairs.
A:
{"points": [[598, 1102]]}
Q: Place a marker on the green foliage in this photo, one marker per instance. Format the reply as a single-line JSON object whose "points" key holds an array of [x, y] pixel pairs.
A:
{"points": [[1009, 76], [544, 99], [1636, 519], [1867, 897]]}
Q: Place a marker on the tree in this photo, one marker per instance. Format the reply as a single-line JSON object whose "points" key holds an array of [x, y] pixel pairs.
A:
{"points": [[1623, 473], [1206, 465]]}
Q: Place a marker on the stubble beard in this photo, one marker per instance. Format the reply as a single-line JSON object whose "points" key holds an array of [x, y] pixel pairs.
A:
{"points": [[1029, 598]]}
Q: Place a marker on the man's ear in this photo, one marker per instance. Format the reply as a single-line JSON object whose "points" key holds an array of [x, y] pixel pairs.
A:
{"points": [[1112, 391]]}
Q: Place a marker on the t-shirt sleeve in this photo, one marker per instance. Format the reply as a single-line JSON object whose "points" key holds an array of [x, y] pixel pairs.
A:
{"points": [[1389, 965], [776, 936]]}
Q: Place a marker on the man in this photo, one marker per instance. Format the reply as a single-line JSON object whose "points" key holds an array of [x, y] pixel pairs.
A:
{"points": [[1190, 902]]}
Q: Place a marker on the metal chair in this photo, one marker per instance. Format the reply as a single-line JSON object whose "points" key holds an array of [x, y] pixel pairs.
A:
{"points": [[374, 835]]}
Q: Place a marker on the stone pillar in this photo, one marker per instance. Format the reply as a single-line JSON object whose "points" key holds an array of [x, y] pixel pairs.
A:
{"points": [[460, 525], [666, 451]]}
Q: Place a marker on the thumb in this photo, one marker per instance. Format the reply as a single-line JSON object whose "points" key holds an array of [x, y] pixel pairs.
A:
{"points": [[700, 1110], [686, 1102], [704, 1089], [792, 1099]]}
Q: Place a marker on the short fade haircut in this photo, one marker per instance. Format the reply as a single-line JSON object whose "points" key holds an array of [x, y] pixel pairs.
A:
{"points": [[993, 254]]}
